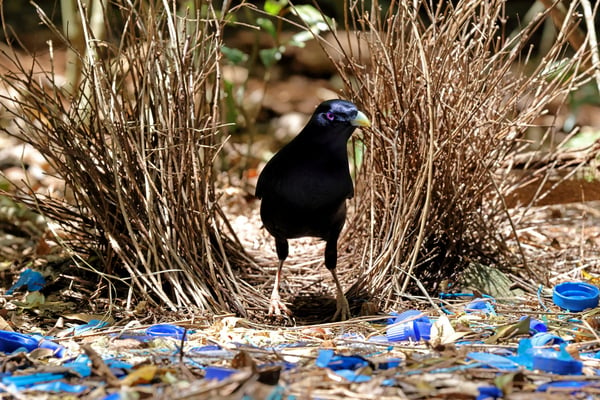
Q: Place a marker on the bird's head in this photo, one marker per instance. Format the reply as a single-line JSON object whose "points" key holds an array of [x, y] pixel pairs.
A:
{"points": [[339, 116]]}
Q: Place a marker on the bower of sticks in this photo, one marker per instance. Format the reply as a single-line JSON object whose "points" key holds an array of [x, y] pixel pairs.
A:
{"points": [[464, 168]]}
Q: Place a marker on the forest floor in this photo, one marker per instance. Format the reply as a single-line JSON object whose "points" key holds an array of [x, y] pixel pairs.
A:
{"points": [[98, 348]]}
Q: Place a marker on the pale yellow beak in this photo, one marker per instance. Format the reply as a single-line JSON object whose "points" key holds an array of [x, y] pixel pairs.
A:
{"points": [[361, 120]]}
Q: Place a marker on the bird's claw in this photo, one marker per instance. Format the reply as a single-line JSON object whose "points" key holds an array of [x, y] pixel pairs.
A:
{"points": [[342, 310], [277, 308]]}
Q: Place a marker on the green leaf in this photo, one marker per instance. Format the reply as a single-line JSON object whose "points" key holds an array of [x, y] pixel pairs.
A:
{"points": [[267, 25], [313, 17], [509, 331], [234, 56], [270, 56], [273, 7], [300, 38]]}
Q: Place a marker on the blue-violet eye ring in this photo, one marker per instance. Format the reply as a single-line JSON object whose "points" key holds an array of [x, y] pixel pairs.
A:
{"points": [[330, 116]]}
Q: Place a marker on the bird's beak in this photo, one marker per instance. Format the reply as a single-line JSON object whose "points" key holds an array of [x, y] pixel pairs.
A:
{"points": [[361, 120]]}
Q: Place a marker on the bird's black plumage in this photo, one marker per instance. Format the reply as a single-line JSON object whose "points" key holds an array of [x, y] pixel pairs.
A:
{"points": [[304, 188]]}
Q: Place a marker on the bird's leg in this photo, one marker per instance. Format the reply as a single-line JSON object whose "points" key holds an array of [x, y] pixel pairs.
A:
{"points": [[276, 306], [342, 309]]}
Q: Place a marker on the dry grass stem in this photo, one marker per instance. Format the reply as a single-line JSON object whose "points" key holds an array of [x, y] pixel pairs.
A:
{"points": [[135, 142], [450, 102]]}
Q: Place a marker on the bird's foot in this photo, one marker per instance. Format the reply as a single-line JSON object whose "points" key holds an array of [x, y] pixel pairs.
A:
{"points": [[277, 308], [342, 311]]}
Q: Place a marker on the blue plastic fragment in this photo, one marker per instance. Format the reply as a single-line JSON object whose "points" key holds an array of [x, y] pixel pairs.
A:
{"points": [[327, 359], [409, 325], [210, 351], [480, 305], [524, 355], [117, 364], [489, 392], [24, 381], [58, 350], [535, 325], [81, 329], [166, 330], [13, 341], [388, 363], [378, 339], [557, 362], [575, 385], [112, 396], [406, 315], [34, 281], [323, 357], [352, 376], [218, 373], [494, 361], [58, 387], [139, 338], [575, 296], [81, 366], [545, 339]]}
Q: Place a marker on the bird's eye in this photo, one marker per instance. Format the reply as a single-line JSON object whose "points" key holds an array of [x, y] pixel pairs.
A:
{"points": [[330, 116]]}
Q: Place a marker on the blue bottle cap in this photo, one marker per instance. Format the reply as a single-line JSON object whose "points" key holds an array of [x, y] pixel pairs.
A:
{"points": [[575, 296], [412, 330], [168, 330]]}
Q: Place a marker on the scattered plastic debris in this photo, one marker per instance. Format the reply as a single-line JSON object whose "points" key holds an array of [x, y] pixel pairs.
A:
{"points": [[29, 278], [454, 351]]}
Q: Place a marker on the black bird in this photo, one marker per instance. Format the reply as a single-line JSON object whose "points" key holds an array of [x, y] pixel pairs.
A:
{"points": [[304, 188]]}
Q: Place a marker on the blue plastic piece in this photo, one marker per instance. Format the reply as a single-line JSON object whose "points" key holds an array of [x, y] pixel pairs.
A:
{"points": [[480, 306], [166, 330], [545, 339], [535, 325], [12, 341], [58, 387], [81, 366], [557, 362], [30, 278], [409, 326], [210, 351], [81, 329], [112, 396], [378, 339], [327, 359], [388, 363], [218, 373], [352, 376], [403, 316], [412, 330], [524, 355], [58, 350], [489, 392], [494, 361], [576, 296], [575, 385], [24, 381]]}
